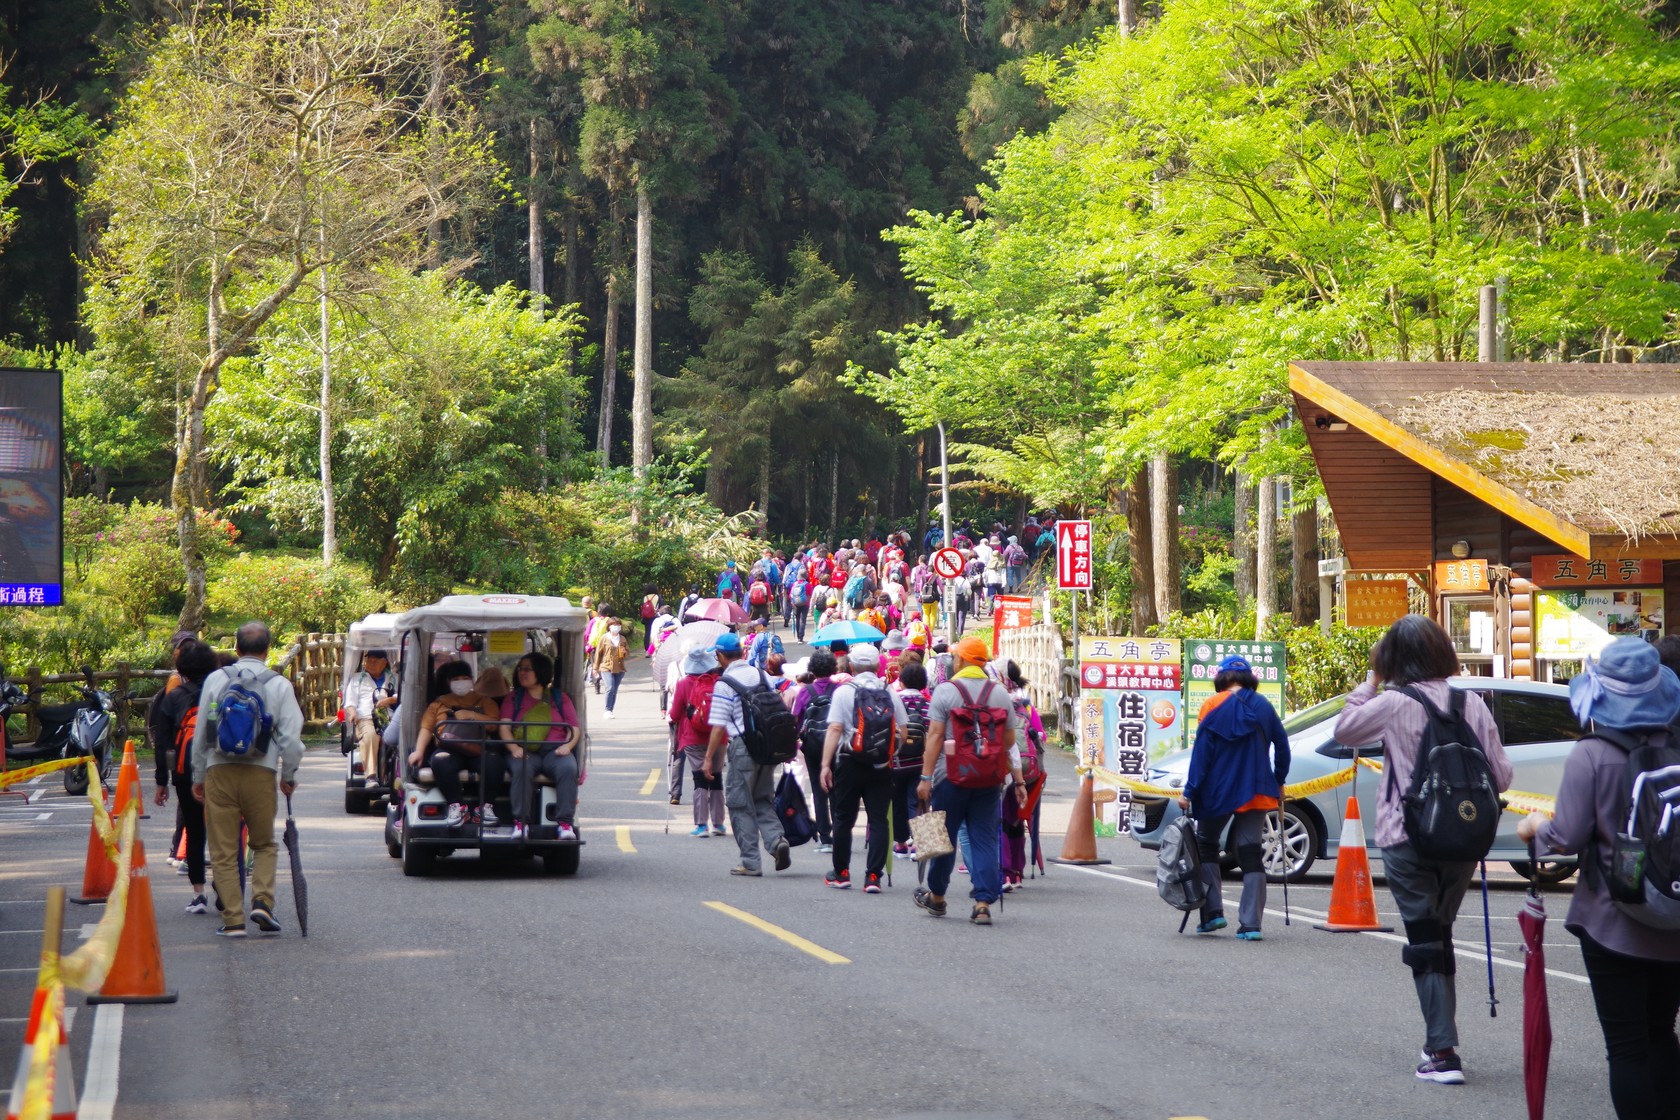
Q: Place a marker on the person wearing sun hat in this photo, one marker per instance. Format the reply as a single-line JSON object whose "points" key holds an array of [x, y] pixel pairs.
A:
{"points": [[691, 700], [1625, 698], [1238, 765], [749, 790]]}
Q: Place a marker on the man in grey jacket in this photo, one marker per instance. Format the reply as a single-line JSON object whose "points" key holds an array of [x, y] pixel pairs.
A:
{"points": [[241, 787]]}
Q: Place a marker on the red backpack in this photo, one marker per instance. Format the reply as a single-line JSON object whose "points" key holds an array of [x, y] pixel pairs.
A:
{"points": [[698, 721], [978, 758], [760, 593], [183, 740]]}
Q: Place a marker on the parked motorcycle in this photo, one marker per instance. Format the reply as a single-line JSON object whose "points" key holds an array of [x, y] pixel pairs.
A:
{"points": [[79, 729]]}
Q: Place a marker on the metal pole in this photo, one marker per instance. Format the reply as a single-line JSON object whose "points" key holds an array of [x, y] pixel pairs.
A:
{"points": [[1487, 332], [945, 520]]}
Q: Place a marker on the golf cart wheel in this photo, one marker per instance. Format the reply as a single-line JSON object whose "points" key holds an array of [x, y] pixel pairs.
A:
{"points": [[1299, 847], [76, 780], [393, 837], [562, 861], [416, 861], [1549, 873], [355, 801]]}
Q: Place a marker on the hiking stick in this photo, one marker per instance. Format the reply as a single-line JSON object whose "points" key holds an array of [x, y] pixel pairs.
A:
{"points": [[670, 746], [1283, 845], [1487, 934]]}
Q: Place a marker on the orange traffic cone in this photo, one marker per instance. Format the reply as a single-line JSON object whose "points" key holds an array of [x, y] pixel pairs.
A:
{"points": [[1079, 845], [99, 877], [62, 1084], [1353, 903], [128, 783], [136, 974]]}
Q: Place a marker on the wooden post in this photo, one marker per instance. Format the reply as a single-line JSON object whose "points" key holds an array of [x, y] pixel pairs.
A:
{"points": [[121, 690], [32, 725]]}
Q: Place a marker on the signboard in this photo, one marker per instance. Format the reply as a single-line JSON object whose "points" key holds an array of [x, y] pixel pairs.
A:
{"points": [[1461, 575], [1011, 612], [947, 563], [1073, 555], [1375, 602], [1202, 657], [506, 642], [1577, 571], [1131, 708], [31, 492], [1571, 625]]}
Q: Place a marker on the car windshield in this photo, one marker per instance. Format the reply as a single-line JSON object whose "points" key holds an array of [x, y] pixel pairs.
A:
{"points": [[1316, 714]]}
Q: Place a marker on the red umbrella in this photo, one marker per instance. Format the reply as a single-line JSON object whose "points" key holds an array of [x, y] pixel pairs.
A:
{"points": [[726, 611], [1537, 1011]]}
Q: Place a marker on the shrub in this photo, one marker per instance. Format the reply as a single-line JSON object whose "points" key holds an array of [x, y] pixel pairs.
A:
{"points": [[293, 594]]}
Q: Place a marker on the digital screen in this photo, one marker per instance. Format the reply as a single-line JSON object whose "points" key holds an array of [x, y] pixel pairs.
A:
{"points": [[31, 488]]}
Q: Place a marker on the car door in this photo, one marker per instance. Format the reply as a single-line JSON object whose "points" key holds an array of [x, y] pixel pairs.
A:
{"points": [[1538, 731]]}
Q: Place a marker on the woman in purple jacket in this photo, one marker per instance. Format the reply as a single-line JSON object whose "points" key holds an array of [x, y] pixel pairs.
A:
{"points": [[819, 692], [1625, 697]]}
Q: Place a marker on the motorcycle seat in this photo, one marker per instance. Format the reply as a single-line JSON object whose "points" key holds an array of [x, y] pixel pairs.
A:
{"points": [[58, 713]]}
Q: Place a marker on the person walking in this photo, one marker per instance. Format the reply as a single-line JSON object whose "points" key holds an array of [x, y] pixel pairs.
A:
{"points": [[690, 715], [975, 707], [912, 688], [610, 651], [1238, 766], [729, 585], [1414, 659], [866, 724], [241, 787], [369, 698], [172, 721], [810, 710], [749, 790], [1626, 698]]}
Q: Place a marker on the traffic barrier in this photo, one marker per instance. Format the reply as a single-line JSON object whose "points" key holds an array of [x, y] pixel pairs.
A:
{"points": [[45, 1085], [1079, 845], [134, 972], [25, 773], [99, 874], [1353, 901], [128, 782]]}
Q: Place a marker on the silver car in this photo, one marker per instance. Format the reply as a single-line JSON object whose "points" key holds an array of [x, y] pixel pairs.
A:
{"points": [[1535, 723]]}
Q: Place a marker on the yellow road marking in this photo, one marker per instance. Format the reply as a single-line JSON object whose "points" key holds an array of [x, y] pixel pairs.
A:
{"points": [[653, 780], [780, 934], [624, 844]]}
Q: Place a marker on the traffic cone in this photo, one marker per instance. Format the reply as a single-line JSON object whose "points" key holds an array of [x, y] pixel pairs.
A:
{"points": [[1353, 902], [63, 1078], [1079, 845], [99, 877], [128, 783], [136, 974]]}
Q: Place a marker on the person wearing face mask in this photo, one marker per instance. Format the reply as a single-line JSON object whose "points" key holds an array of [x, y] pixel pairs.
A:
{"points": [[610, 651], [449, 723]]}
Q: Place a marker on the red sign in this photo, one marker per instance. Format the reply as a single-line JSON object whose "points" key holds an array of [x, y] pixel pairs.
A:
{"points": [[1073, 555], [1577, 571], [1012, 612], [947, 563], [1131, 676], [1461, 575]]}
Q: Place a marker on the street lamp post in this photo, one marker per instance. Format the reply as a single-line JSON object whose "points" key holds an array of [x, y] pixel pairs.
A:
{"points": [[945, 521]]}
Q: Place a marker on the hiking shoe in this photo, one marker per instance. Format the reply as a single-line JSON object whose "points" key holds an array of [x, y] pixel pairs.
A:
{"points": [[488, 816], [981, 915], [700, 830], [924, 900], [743, 869], [784, 855], [719, 830], [198, 905], [263, 918], [457, 816], [872, 883], [239, 931], [825, 849], [1213, 924], [1443, 1068], [1246, 934], [839, 880]]}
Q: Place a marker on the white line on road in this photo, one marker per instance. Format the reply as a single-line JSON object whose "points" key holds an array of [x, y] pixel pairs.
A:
{"points": [[99, 1091], [43, 816]]}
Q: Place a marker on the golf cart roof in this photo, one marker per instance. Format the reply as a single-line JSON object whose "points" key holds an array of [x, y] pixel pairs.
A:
{"points": [[495, 612], [376, 631]]}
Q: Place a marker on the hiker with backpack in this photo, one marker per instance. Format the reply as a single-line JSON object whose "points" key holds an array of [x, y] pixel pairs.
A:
{"points": [[1238, 766], [173, 719], [760, 598], [971, 734], [1439, 744], [1613, 810], [810, 711], [611, 649], [752, 732], [729, 585], [1021, 825], [912, 688], [866, 725], [249, 728], [690, 714], [762, 644]]}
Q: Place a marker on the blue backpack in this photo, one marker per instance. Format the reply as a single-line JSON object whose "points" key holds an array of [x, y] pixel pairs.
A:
{"points": [[243, 725]]}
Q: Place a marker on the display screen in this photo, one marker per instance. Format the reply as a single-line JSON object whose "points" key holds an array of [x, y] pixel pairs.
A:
{"points": [[31, 488]]}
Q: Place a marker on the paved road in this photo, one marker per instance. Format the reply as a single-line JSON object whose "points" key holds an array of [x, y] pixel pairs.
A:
{"points": [[623, 992]]}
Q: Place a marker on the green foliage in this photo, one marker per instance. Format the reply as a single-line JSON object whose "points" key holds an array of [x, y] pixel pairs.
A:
{"points": [[88, 629], [131, 553], [294, 594]]}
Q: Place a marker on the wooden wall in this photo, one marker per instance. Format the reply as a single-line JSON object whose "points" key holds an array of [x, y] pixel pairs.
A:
{"points": [[1500, 541]]}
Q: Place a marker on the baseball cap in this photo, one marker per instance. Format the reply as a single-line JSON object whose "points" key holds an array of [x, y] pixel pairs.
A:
{"points": [[865, 657], [727, 643], [973, 650], [1235, 664]]}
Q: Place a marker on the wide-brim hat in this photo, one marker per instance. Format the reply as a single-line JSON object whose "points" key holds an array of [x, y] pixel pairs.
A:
{"points": [[894, 642], [1626, 687], [698, 660]]}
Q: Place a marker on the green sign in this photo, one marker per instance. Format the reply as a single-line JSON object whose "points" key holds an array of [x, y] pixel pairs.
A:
{"points": [[1201, 664]]}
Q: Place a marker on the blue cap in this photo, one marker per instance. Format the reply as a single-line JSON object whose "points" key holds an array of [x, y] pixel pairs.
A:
{"points": [[1235, 664], [727, 643]]}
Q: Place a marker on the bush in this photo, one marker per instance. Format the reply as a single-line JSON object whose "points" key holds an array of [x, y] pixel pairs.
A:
{"points": [[86, 630], [293, 594], [1319, 666]]}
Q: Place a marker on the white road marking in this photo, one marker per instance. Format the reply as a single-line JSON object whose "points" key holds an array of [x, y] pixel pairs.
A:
{"points": [[99, 1090], [43, 816], [87, 930]]}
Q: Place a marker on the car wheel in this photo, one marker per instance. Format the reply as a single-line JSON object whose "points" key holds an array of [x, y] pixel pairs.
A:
{"points": [[415, 859], [1298, 849], [1548, 873], [562, 861]]}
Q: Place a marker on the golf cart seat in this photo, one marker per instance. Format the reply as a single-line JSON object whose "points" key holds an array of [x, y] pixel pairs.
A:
{"points": [[426, 778], [544, 780]]}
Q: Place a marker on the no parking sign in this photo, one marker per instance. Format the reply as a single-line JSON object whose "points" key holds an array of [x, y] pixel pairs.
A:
{"points": [[947, 563]]}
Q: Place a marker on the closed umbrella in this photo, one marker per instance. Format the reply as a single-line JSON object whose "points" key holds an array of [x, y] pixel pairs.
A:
{"points": [[1537, 1010], [717, 610], [300, 886], [695, 634], [848, 631]]}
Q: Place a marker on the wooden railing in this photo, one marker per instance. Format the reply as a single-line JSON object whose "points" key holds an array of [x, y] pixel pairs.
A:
{"points": [[315, 665], [1052, 679]]}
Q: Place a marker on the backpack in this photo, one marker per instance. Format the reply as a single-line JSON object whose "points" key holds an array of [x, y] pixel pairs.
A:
{"points": [[855, 591], [1644, 879], [1452, 810], [1032, 751], [768, 729], [700, 707], [814, 729], [801, 592], [793, 812], [1178, 869], [929, 592], [1014, 555], [909, 754], [875, 726], [650, 607], [184, 739], [243, 725], [977, 758], [760, 593]]}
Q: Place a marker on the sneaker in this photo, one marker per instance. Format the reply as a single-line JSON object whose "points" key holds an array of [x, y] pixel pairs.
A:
{"points": [[263, 918], [839, 880], [1213, 924], [1443, 1068], [371, 783], [181, 868], [901, 849], [457, 816], [825, 849], [1008, 885], [198, 905], [488, 815], [719, 830], [701, 830], [924, 900], [743, 869], [609, 713], [982, 914], [565, 831], [1246, 934], [962, 869], [676, 801], [520, 831], [784, 855], [239, 931], [872, 883]]}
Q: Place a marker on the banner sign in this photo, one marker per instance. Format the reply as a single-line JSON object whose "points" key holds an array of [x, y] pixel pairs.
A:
{"points": [[31, 488], [1461, 575], [1012, 612], [1570, 625], [1073, 555], [1577, 571], [1202, 658]]}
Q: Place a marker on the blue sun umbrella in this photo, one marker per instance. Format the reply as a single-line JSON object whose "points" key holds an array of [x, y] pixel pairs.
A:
{"points": [[848, 631]]}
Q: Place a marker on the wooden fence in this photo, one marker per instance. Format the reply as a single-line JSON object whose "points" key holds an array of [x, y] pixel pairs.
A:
{"points": [[315, 665], [1052, 679]]}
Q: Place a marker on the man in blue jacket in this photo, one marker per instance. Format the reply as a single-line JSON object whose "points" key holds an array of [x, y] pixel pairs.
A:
{"points": [[1238, 766]]}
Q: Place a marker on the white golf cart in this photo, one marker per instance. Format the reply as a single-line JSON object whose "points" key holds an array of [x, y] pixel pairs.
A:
{"points": [[376, 631], [482, 630]]}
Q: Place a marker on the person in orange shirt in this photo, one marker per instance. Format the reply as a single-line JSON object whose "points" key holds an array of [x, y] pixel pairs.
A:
{"points": [[1238, 765]]}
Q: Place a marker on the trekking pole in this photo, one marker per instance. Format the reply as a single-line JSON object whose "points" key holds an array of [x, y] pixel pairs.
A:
{"points": [[1487, 934], [1283, 847], [669, 758]]}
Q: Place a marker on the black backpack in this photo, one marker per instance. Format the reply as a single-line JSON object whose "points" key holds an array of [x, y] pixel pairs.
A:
{"points": [[1644, 880], [814, 729], [769, 732], [792, 811], [1452, 809], [874, 726], [1178, 869], [909, 754]]}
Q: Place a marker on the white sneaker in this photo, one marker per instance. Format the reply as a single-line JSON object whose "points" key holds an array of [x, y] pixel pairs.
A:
{"points": [[519, 830], [457, 815], [609, 713], [566, 832], [488, 815]]}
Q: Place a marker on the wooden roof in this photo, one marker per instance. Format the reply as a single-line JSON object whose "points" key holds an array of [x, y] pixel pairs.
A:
{"points": [[1553, 445]]}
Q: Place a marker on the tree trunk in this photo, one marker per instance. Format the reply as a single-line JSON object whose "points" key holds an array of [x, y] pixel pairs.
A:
{"points": [[1140, 551], [641, 414], [833, 495], [925, 505], [534, 226], [1163, 531], [764, 491], [1304, 558], [1127, 17], [609, 374], [329, 505], [1242, 540], [1265, 558]]}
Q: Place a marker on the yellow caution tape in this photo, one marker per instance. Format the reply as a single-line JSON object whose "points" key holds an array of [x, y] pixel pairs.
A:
{"points": [[1293, 790], [13, 777], [43, 1053], [1519, 801], [86, 968]]}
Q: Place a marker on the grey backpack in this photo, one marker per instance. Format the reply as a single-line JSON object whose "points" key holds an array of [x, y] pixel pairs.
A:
{"points": [[1178, 869]]}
